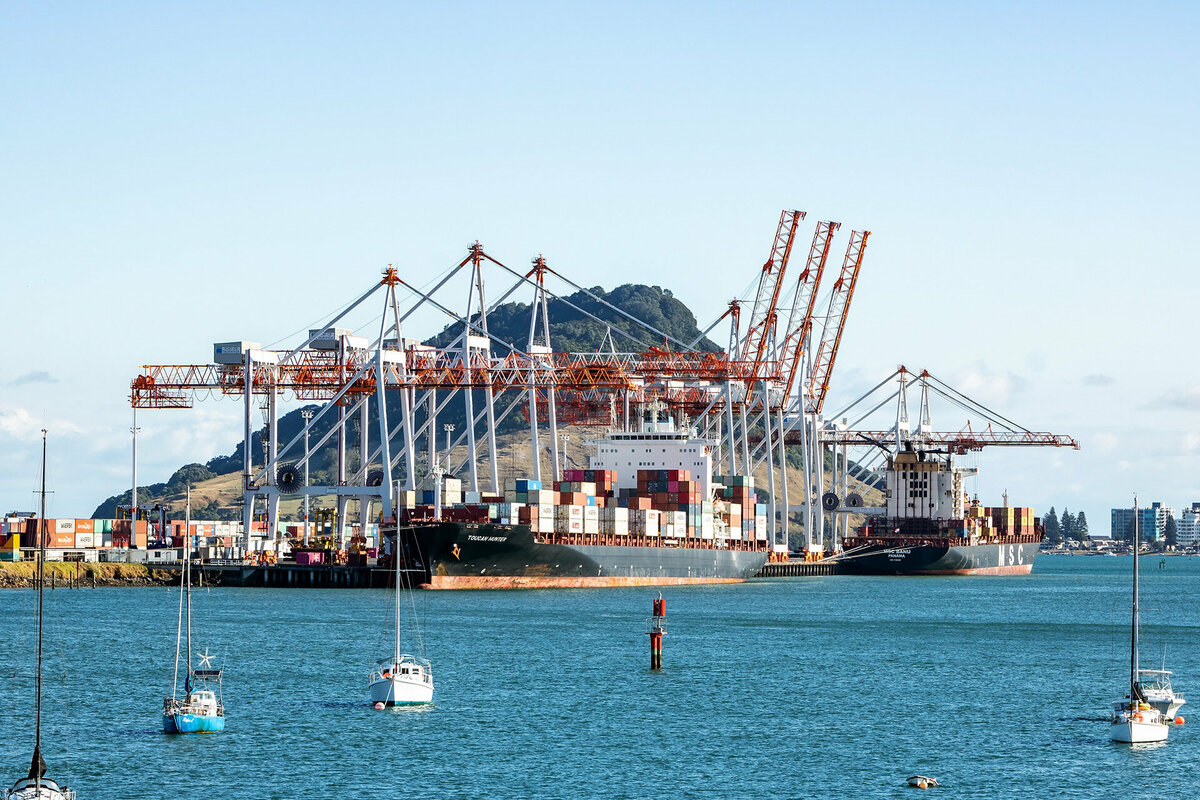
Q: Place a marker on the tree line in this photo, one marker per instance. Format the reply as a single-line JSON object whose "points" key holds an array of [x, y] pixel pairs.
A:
{"points": [[1070, 526]]}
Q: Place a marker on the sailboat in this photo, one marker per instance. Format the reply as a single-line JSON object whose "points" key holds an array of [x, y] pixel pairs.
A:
{"points": [[201, 710], [36, 786], [1137, 721], [401, 678]]}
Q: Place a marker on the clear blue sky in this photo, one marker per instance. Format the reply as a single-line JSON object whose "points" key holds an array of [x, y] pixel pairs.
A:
{"points": [[179, 174]]}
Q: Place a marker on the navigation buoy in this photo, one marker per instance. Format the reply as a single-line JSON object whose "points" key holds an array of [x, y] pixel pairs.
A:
{"points": [[379, 706], [657, 630], [1179, 720]]}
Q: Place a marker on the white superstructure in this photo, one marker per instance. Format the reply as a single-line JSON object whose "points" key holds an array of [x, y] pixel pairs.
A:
{"points": [[923, 486], [660, 444]]}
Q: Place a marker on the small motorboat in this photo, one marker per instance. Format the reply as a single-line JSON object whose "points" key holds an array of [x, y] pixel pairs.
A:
{"points": [[1155, 686]]}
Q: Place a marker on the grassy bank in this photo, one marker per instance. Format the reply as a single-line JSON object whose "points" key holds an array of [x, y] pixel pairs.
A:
{"points": [[22, 573]]}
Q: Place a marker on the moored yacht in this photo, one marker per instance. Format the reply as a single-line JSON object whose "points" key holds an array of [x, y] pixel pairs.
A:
{"points": [[401, 679], [1155, 686], [1135, 721]]}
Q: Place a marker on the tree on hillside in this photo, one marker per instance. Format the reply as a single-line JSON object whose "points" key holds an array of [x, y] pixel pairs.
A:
{"points": [[1171, 532], [1053, 530], [1081, 526], [1068, 525]]}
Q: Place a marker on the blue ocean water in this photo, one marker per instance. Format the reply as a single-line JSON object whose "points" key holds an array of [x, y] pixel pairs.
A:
{"points": [[796, 688]]}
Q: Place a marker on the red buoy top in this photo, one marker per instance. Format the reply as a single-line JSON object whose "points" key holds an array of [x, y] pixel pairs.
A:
{"points": [[660, 607]]}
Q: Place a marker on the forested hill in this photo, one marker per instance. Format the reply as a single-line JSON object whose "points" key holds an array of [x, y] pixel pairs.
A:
{"points": [[571, 330]]}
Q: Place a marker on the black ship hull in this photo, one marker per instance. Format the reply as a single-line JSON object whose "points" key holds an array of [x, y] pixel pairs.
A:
{"points": [[881, 557], [456, 555]]}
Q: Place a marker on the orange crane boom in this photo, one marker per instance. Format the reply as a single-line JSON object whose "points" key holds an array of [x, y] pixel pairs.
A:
{"points": [[839, 307], [762, 315], [800, 320]]}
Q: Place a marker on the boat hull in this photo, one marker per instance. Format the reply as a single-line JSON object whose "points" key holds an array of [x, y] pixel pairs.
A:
{"points": [[45, 789], [884, 558], [1131, 731], [192, 723], [397, 692], [486, 556]]}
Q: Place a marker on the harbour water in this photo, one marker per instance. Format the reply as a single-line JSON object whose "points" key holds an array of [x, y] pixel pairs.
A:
{"points": [[787, 688]]}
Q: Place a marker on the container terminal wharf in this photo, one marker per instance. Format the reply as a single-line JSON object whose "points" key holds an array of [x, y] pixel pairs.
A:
{"points": [[289, 574]]}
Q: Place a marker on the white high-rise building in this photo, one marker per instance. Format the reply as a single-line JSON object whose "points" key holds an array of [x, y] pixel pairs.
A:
{"points": [[1187, 527]]}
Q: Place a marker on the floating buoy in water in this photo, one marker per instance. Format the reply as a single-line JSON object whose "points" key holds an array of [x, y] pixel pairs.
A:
{"points": [[379, 706], [1179, 720]]}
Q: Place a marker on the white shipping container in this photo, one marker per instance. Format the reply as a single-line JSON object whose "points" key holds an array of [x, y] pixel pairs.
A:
{"points": [[85, 540], [575, 526], [620, 528], [64, 526], [591, 513], [591, 526], [546, 511]]}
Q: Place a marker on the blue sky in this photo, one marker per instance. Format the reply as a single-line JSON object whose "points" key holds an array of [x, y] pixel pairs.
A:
{"points": [[178, 174]]}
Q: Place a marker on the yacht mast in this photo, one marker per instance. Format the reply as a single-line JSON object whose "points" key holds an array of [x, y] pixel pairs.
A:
{"points": [[1134, 694], [36, 767], [396, 561], [187, 572]]}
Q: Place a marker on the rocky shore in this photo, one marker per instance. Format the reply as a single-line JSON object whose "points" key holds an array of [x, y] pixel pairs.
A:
{"points": [[21, 574]]}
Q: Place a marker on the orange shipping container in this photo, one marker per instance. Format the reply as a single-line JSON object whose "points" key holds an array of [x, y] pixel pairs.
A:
{"points": [[64, 539], [85, 526]]}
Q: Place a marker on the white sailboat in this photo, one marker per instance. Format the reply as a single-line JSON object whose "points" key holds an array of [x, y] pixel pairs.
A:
{"points": [[36, 786], [1137, 721], [200, 710], [401, 678], [1158, 692]]}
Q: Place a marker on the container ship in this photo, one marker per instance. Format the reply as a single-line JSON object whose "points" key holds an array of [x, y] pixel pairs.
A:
{"points": [[929, 527], [647, 511]]}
